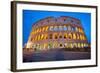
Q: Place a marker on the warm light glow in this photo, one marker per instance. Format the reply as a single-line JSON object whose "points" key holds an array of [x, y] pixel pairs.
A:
{"points": [[42, 36], [29, 45], [81, 37], [67, 35], [70, 36], [79, 45], [47, 28], [74, 36]]}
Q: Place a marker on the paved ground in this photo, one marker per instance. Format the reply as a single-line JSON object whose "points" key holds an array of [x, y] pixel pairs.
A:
{"points": [[57, 55]]}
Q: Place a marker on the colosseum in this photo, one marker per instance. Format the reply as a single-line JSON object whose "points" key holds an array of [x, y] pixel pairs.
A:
{"points": [[62, 32]]}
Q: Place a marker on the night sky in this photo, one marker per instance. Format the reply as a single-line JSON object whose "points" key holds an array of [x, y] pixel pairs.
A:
{"points": [[32, 16]]}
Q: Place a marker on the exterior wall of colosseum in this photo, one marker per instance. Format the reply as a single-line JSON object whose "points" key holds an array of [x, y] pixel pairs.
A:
{"points": [[55, 33]]}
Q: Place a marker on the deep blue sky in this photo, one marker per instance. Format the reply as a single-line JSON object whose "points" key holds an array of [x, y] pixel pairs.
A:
{"points": [[31, 16]]}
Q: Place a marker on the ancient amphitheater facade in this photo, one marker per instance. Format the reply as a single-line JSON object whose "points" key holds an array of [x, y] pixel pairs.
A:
{"points": [[57, 33]]}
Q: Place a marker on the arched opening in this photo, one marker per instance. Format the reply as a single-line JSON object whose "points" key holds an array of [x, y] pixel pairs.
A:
{"points": [[51, 28], [75, 45], [61, 45], [65, 28], [42, 36], [79, 45], [50, 45], [69, 36], [39, 37], [77, 36], [60, 36], [69, 28], [36, 38], [74, 36], [55, 28], [71, 45], [81, 38], [65, 35], [82, 45], [60, 28], [50, 36], [45, 46], [55, 44], [46, 29], [55, 36]]}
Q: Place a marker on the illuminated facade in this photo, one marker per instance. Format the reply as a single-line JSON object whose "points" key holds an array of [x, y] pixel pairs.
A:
{"points": [[56, 33]]}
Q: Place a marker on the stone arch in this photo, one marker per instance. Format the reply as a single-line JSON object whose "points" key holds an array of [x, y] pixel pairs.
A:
{"points": [[75, 45], [78, 36], [74, 36], [70, 36]]}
